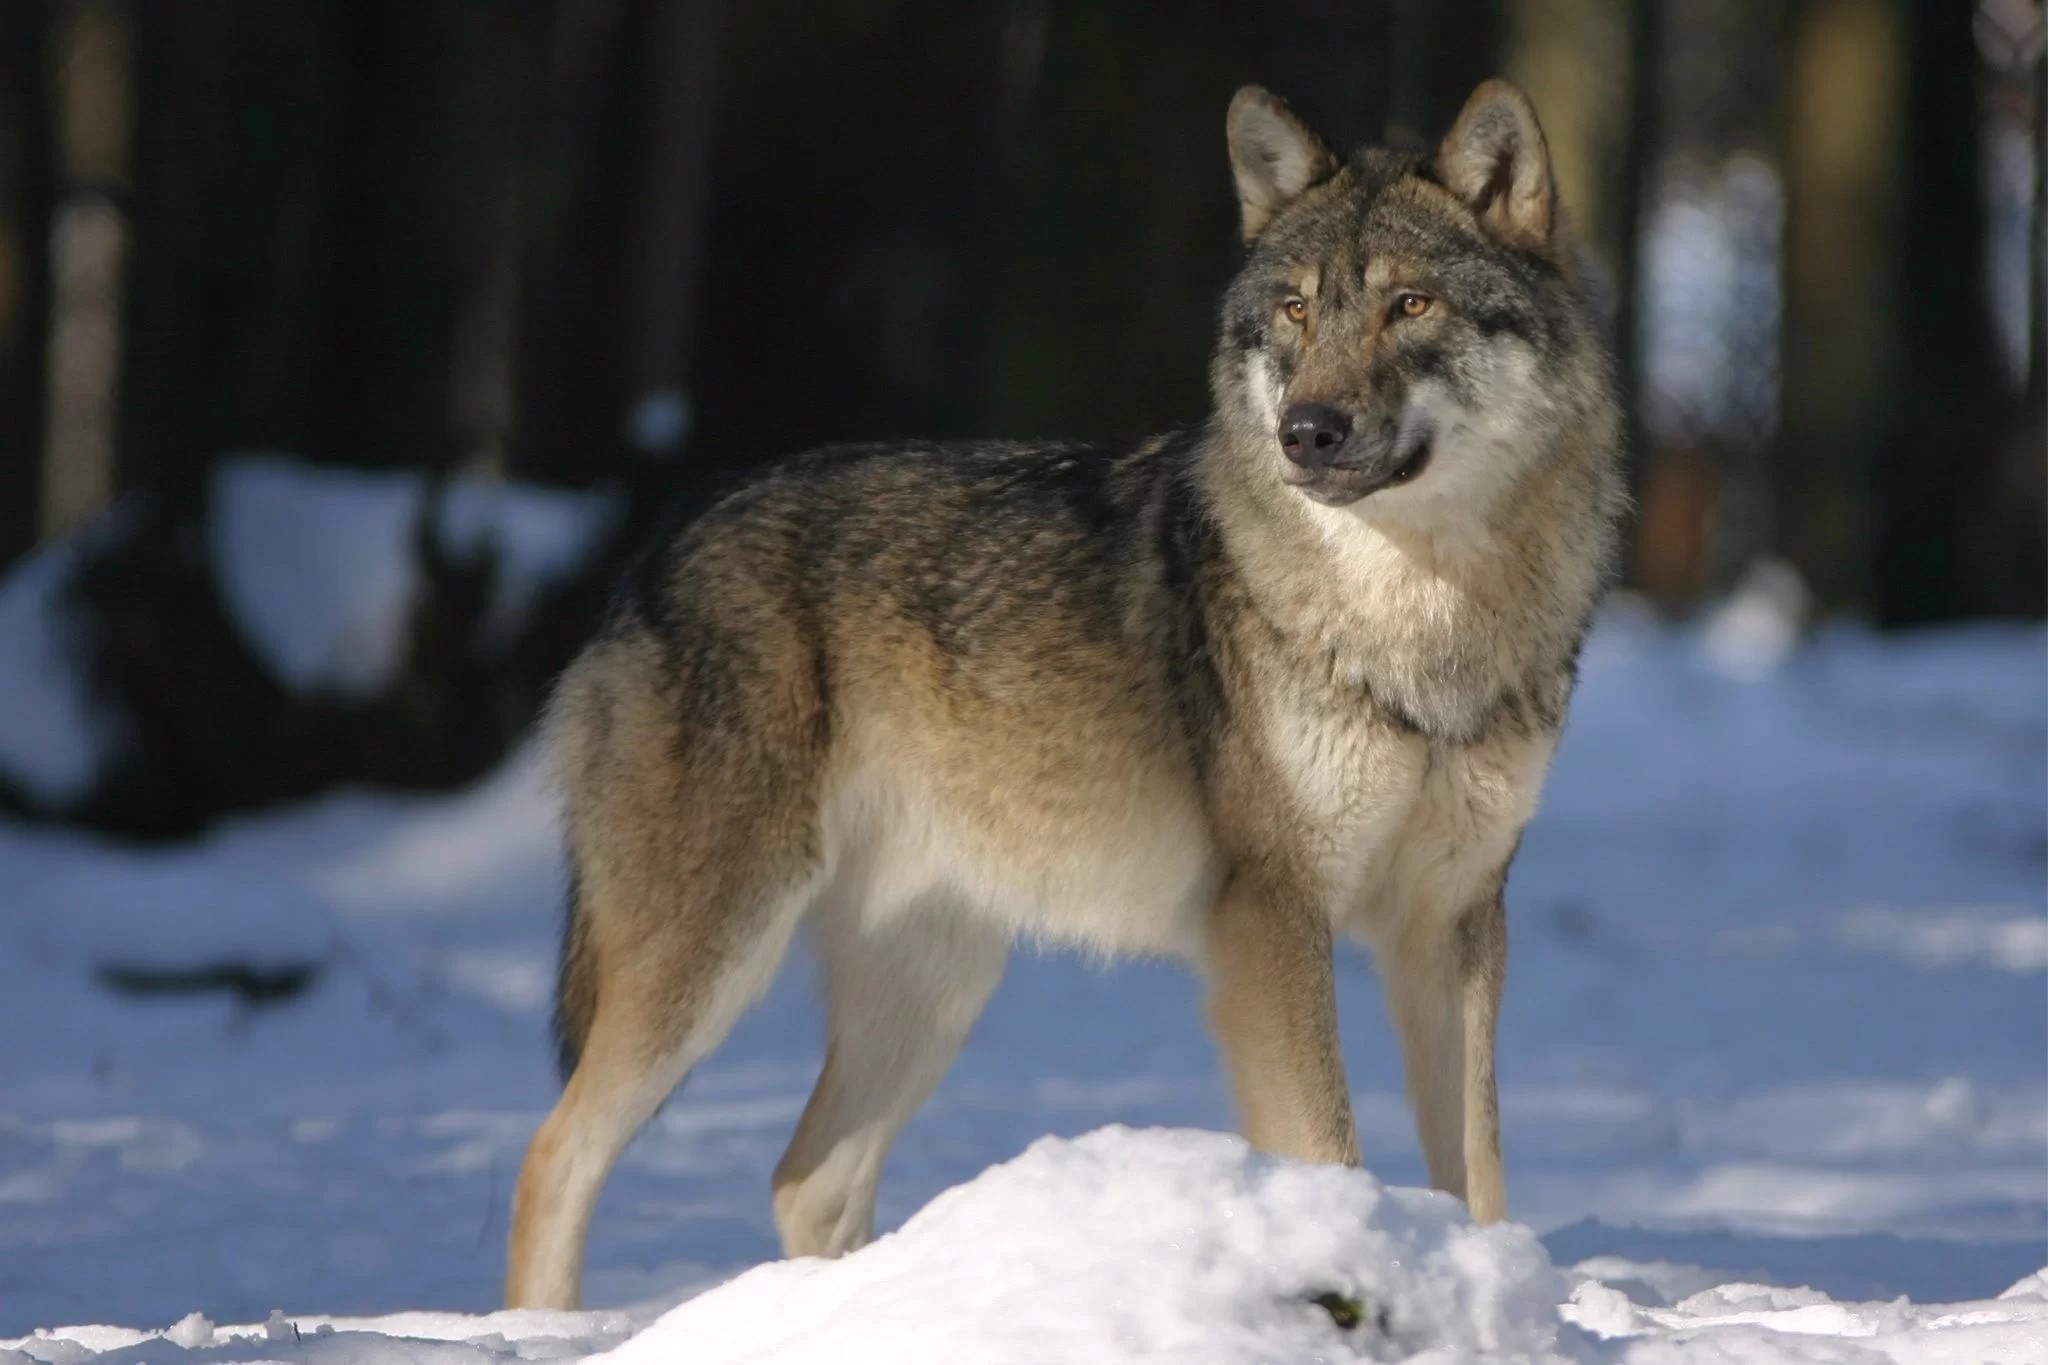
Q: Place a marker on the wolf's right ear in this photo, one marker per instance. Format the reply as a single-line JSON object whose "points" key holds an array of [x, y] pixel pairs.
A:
{"points": [[1273, 155], [1496, 160]]}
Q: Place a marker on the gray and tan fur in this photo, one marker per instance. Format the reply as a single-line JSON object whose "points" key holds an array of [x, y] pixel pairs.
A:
{"points": [[1223, 695]]}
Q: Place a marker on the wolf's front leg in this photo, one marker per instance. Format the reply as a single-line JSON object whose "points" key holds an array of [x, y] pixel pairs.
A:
{"points": [[1444, 989], [1483, 967], [1273, 1009]]}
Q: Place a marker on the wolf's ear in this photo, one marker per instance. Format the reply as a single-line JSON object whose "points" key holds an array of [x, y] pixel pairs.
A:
{"points": [[1496, 160], [1273, 155]]}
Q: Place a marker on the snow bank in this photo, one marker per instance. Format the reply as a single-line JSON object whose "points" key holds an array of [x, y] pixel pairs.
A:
{"points": [[1769, 1323], [319, 1339], [319, 569], [55, 740], [318, 564], [1129, 1246], [1156, 1246]]}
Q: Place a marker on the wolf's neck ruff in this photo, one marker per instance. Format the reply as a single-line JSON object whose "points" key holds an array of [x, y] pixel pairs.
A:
{"points": [[1452, 623]]}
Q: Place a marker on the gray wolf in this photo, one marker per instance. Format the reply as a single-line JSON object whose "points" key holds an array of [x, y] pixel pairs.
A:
{"points": [[1223, 694]]}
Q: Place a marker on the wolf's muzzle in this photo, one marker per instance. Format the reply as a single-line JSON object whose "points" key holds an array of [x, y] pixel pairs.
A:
{"points": [[1333, 464]]}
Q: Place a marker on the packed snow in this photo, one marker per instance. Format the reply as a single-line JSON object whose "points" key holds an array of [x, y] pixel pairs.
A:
{"points": [[1152, 1246], [1774, 1061]]}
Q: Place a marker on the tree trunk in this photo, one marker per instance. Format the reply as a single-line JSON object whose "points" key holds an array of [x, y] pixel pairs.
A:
{"points": [[230, 226], [675, 60], [569, 359], [26, 187], [1442, 50], [1638, 159], [1945, 545], [487, 321], [409, 194], [89, 243], [1840, 339]]}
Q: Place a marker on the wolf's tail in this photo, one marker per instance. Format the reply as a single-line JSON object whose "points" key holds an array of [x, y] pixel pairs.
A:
{"points": [[576, 983]]}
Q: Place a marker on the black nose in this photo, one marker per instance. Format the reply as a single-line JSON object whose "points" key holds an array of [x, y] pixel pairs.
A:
{"points": [[1313, 433]]}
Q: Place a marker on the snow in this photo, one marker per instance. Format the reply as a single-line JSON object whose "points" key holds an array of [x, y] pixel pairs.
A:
{"points": [[319, 566], [1127, 1246], [660, 422], [53, 741], [320, 571], [1774, 1056], [1152, 1246], [1752, 634]]}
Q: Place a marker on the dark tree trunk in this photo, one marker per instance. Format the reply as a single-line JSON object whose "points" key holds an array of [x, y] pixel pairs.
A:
{"points": [[2037, 246], [408, 215], [230, 227], [487, 322], [1937, 468], [1442, 49], [569, 395], [1124, 227], [850, 289], [93, 88], [26, 190], [1640, 145], [1333, 60], [674, 47], [1841, 362]]}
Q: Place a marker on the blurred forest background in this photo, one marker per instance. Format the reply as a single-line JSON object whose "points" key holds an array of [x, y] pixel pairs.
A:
{"points": [[612, 245]]}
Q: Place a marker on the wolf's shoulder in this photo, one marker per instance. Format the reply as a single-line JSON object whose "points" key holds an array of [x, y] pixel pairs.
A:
{"points": [[953, 506]]}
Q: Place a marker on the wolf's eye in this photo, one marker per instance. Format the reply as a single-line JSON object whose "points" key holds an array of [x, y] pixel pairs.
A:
{"points": [[1412, 305], [1296, 310]]}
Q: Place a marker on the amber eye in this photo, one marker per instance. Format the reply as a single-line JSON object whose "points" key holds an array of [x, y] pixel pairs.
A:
{"points": [[1412, 305], [1296, 310]]}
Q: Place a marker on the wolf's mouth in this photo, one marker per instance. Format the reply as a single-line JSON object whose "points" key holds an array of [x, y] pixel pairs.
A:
{"points": [[1341, 482], [1413, 465]]}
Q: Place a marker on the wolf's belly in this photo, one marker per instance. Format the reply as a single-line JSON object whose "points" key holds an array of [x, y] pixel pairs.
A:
{"points": [[1112, 858]]}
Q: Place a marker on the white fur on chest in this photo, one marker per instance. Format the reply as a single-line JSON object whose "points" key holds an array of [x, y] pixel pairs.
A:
{"points": [[1353, 785], [1402, 827]]}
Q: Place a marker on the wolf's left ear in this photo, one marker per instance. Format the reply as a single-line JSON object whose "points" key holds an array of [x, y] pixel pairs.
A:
{"points": [[1273, 155], [1496, 160]]}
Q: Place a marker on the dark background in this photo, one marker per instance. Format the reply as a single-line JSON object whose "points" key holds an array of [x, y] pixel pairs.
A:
{"points": [[479, 236]]}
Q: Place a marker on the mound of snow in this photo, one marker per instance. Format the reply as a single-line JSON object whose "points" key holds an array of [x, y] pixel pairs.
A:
{"points": [[319, 568], [1156, 1245], [54, 740]]}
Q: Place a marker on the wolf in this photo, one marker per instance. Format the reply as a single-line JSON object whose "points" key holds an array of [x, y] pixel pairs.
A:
{"points": [[1226, 694]]}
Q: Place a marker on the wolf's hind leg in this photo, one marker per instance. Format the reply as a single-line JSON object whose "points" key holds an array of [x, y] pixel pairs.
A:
{"points": [[901, 998], [657, 1014]]}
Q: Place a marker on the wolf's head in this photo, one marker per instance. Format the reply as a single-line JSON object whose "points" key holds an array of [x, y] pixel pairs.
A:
{"points": [[1406, 337]]}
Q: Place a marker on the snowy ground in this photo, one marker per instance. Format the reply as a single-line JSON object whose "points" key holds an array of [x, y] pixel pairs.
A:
{"points": [[1777, 1016]]}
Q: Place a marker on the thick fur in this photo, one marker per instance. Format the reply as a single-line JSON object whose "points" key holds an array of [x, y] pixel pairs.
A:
{"points": [[1179, 697]]}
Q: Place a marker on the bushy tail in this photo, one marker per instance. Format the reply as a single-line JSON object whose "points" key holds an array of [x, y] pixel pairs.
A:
{"points": [[576, 984]]}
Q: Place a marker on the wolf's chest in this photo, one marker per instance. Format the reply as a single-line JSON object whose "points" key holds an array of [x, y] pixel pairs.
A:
{"points": [[1397, 822]]}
